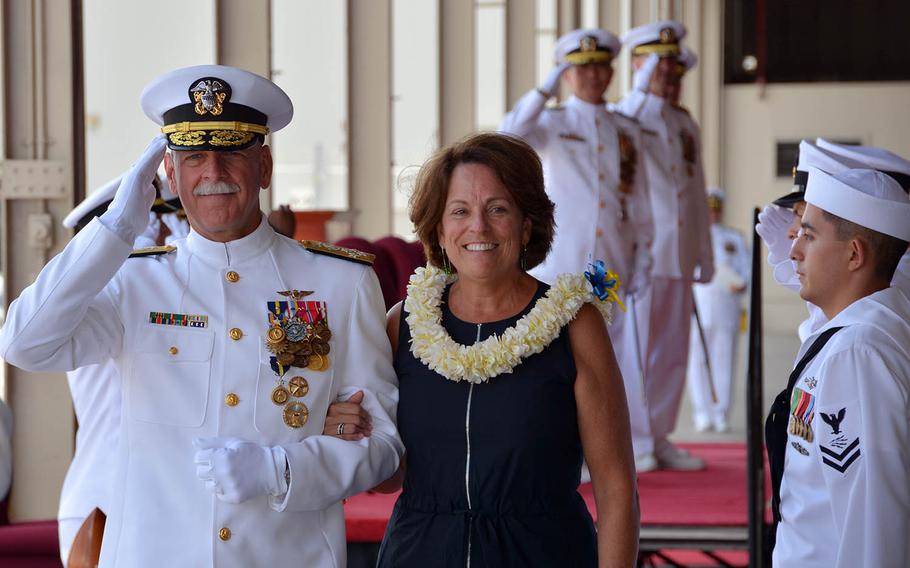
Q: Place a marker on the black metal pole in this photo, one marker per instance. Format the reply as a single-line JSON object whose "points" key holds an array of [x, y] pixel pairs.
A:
{"points": [[755, 412]]}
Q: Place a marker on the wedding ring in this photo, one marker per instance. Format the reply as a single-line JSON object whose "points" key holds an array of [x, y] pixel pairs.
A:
{"points": [[340, 428]]}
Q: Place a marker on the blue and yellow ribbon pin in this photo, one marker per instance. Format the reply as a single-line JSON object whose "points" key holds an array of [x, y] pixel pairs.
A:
{"points": [[604, 283]]}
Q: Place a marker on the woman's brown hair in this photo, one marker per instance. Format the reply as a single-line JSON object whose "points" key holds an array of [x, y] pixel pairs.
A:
{"points": [[518, 168]]}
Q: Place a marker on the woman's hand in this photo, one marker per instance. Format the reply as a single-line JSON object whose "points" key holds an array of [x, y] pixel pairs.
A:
{"points": [[348, 420]]}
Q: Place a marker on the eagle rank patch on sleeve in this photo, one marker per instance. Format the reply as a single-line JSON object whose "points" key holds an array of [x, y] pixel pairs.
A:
{"points": [[839, 438]]}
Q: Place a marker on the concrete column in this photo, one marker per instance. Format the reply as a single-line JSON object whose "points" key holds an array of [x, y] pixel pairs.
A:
{"points": [[456, 70], [520, 49], [369, 116], [244, 40]]}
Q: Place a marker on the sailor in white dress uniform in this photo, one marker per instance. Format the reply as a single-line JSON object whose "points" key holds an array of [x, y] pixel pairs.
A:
{"points": [[719, 306], [681, 251], [594, 174], [230, 345], [838, 436]]}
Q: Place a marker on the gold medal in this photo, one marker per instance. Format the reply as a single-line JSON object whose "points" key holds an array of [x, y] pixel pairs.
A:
{"points": [[296, 414], [275, 335], [298, 386], [280, 394], [321, 347], [316, 362], [285, 359]]}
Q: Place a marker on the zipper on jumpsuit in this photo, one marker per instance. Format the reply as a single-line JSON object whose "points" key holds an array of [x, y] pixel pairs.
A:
{"points": [[467, 464]]}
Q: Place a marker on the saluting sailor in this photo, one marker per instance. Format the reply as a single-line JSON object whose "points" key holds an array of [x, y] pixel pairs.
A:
{"points": [[719, 308], [595, 176], [838, 435], [230, 347], [779, 221], [681, 249]]}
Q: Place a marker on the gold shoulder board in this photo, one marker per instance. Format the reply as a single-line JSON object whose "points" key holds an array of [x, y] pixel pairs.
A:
{"points": [[329, 249], [152, 251]]}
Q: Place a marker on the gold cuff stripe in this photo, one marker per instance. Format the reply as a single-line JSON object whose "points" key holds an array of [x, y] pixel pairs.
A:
{"points": [[661, 49], [585, 57], [214, 125]]}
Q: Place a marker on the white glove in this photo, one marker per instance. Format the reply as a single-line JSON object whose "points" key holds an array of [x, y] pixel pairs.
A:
{"points": [[641, 79], [149, 236], [772, 226], [784, 273], [236, 470], [641, 273], [128, 213], [551, 84]]}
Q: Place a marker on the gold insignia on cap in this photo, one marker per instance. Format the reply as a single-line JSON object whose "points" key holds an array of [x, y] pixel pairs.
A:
{"points": [[588, 43], [209, 96], [667, 35]]}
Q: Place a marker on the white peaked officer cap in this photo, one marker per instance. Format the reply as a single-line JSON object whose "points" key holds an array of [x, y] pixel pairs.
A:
{"points": [[686, 60], [592, 45], [98, 201], [873, 158], [661, 37], [716, 197], [866, 197], [215, 107]]}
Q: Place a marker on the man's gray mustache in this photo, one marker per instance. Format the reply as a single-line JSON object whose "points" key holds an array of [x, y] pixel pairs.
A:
{"points": [[216, 188]]}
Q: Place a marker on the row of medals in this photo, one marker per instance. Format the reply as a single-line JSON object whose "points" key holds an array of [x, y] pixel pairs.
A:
{"points": [[301, 344], [800, 428]]}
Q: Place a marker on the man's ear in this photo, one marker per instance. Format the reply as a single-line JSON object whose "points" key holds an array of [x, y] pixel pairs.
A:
{"points": [[169, 172], [265, 167], [860, 255]]}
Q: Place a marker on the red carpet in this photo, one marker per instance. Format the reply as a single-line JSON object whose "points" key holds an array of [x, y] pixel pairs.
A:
{"points": [[715, 496]]}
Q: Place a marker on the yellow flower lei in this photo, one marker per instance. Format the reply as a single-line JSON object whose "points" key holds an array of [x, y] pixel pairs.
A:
{"points": [[497, 354]]}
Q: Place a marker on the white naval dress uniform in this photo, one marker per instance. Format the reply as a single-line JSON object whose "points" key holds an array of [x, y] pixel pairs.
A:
{"points": [[579, 144], [682, 246], [845, 492], [96, 393], [90, 304], [719, 309]]}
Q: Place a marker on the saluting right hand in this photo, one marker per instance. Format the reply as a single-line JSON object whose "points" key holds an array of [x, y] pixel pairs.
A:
{"points": [[641, 79], [772, 226], [551, 84], [128, 213]]}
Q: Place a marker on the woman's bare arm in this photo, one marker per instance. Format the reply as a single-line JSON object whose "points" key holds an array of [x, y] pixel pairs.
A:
{"points": [[603, 423]]}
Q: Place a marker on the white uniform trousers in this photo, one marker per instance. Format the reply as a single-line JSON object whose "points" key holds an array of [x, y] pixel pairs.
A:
{"points": [[663, 312], [721, 343], [628, 353]]}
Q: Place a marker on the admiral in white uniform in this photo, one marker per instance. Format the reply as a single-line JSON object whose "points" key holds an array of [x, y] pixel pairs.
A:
{"points": [[230, 347], [594, 174], [719, 306], [838, 435], [681, 249], [95, 389]]}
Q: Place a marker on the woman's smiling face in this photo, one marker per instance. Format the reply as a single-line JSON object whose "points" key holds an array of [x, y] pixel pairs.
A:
{"points": [[483, 231]]}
